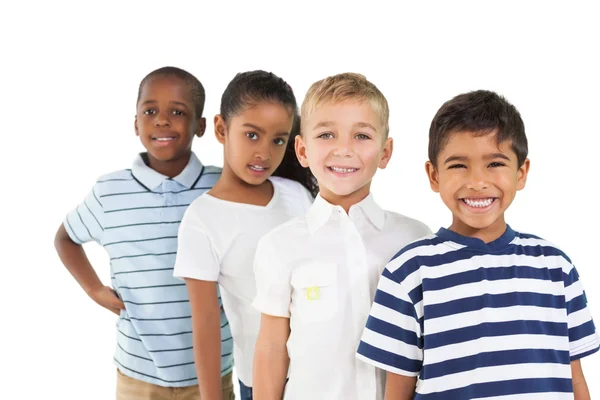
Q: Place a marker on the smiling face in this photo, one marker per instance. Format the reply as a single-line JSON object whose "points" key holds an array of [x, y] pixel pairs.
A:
{"points": [[343, 143], [477, 179], [166, 121]]}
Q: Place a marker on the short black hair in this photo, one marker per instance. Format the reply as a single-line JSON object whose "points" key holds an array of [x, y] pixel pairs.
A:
{"points": [[480, 112], [196, 88]]}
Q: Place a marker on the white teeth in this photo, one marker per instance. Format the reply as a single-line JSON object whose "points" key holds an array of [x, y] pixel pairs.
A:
{"points": [[342, 170], [164, 139], [255, 168], [479, 203]]}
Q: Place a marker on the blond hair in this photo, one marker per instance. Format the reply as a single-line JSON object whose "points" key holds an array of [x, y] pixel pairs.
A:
{"points": [[346, 86]]}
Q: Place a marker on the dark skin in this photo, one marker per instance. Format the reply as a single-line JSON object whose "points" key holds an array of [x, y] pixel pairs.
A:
{"points": [[166, 123]]}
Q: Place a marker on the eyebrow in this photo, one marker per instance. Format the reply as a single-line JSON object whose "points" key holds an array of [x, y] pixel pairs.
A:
{"points": [[489, 157], [327, 124], [179, 103], [261, 130], [365, 125], [324, 124]]}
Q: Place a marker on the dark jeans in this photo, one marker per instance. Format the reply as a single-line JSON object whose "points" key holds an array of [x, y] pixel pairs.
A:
{"points": [[246, 392]]}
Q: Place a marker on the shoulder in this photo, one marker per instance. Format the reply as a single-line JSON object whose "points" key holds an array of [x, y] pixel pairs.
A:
{"points": [[293, 195], [210, 176], [534, 245], [288, 186], [113, 182], [204, 210], [426, 250], [293, 231], [408, 226]]}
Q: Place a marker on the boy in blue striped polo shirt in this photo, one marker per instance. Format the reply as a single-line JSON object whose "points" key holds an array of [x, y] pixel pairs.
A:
{"points": [[479, 310], [135, 214]]}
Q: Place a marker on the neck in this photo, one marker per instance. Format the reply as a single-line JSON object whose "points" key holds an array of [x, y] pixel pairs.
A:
{"points": [[170, 168], [231, 187], [487, 234], [346, 201]]}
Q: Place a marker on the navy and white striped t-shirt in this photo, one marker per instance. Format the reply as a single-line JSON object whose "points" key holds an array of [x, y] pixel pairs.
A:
{"points": [[475, 320], [135, 214]]}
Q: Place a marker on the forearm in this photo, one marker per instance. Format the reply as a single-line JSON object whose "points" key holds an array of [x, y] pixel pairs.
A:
{"points": [[399, 387], [206, 328], [271, 363], [75, 260], [580, 388]]}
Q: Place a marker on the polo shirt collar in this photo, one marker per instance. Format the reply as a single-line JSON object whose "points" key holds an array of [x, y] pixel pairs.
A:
{"points": [[152, 179]]}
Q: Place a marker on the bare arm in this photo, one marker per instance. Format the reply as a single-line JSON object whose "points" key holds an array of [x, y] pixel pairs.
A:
{"points": [[580, 387], [271, 360], [74, 259], [206, 328], [399, 387]]}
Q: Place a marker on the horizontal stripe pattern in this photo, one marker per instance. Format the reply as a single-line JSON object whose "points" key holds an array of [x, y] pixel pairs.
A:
{"points": [[472, 320], [137, 223]]}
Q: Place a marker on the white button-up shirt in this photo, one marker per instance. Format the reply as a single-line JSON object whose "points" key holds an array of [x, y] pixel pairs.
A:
{"points": [[321, 271]]}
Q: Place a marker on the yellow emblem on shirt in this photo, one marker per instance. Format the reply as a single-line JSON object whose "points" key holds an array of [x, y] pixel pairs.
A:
{"points": [[312, 293]]}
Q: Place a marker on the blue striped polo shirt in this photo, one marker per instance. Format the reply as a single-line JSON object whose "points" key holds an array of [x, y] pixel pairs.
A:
{"points": [[135, 214], [475, 320]]}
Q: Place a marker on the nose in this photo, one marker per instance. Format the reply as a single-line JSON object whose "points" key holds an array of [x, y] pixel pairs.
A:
{"points": [[477, 180], [163, 119], [343, 147], [263, 151]]}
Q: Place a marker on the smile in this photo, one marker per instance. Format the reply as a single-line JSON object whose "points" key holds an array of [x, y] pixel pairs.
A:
{"points": [[479, 203], [342, 170], [257, 168]]}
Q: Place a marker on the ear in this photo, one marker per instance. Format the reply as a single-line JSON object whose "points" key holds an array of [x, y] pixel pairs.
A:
{"points": [[388, 149], [220, 129], [433, 175], [135, 127], [522, 174], [300, 148], [201, 127]]}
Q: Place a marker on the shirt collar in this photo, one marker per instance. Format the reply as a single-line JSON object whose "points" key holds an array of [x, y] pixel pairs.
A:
{"points": [[152, 179], [321, 211], [506, 238]]}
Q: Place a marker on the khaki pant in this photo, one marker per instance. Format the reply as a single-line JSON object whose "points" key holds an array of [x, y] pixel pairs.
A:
{"points": [[133, 389]]}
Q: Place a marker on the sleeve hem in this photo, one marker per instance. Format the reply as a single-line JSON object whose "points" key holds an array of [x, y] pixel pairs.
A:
{"points": [[267, 308], [385, 367]]}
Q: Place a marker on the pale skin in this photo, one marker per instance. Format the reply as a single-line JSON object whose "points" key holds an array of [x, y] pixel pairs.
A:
{"points": [[345, 134], [271, 360]]}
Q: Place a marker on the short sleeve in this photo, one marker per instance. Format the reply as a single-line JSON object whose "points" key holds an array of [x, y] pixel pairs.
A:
{"points": [[84, 223], [196, 257], [273, 285], [583, 338], [392, 339]]}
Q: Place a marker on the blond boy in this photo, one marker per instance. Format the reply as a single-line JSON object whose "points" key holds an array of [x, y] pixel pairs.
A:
{"points": [[316, 275]]}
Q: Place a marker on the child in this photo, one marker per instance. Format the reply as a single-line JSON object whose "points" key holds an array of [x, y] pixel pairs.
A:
{"points": [[316, 275], [479, 310], [134, 214], [220, 230]]}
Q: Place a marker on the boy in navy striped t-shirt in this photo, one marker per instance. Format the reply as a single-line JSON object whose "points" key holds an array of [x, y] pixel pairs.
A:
{"points": [[135, 214], [479, 310]]}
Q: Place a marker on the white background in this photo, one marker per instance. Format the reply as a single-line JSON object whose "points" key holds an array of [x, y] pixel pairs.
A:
{"points": [[69, 80]]}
